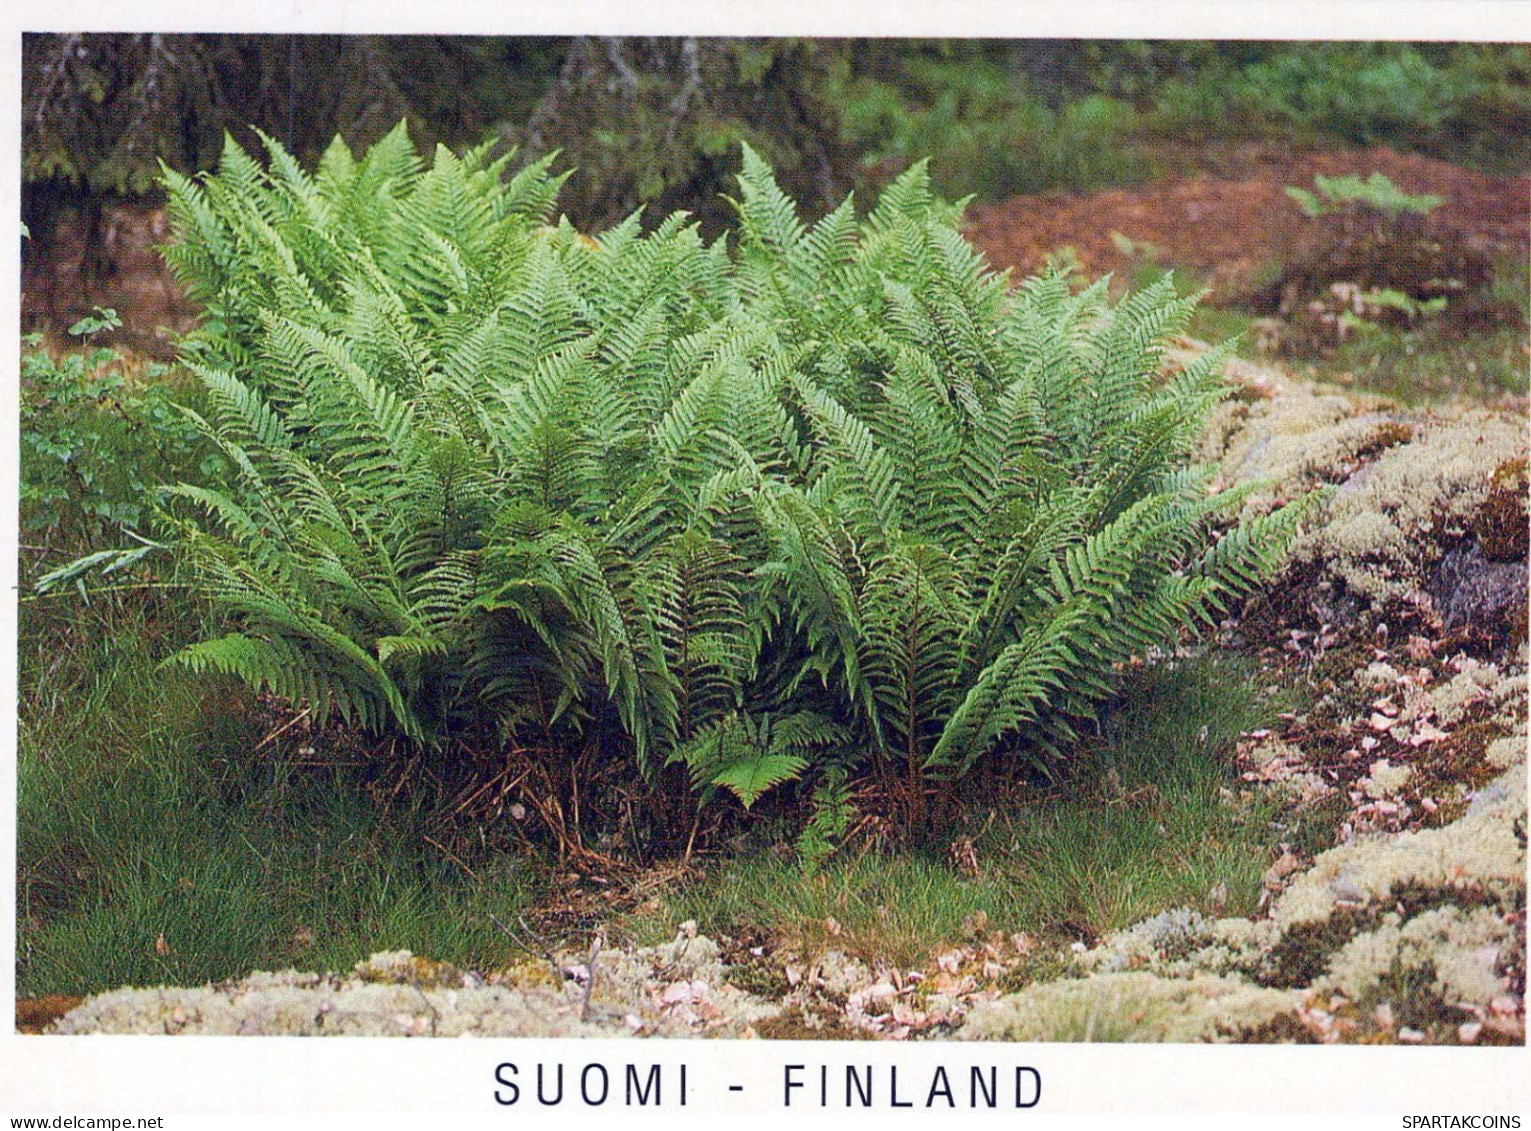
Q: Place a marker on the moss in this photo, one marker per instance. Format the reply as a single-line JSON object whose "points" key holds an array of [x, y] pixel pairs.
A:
{"points": [[533, 973], [1477, 852], [1407, 487], [1129, 1007], [1283, 1029], [759, 977], [1455, 766], [1460, 948], [1388, 434], [398, 994], [1303, 954], [1181, 943], [1315, 826], [1502, 753], [36, 1015], [1501, 523], [400, 967], [1045, 963], [1305, 951], [1386, 779], [292, 1004], [1387, 527], [799, 1024]]}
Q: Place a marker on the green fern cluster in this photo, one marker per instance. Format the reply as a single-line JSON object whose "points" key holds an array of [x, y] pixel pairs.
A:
{"points": [[773, 508]]}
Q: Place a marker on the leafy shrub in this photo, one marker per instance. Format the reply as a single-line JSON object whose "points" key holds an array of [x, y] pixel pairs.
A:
{"points": [[1462, 102], [998, 118], [93, 442], [987, 133], [825, 499]]}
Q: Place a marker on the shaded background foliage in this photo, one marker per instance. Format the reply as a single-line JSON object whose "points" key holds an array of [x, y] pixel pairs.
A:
{"points": [[654, 120], [100, 112], [658, 121]]}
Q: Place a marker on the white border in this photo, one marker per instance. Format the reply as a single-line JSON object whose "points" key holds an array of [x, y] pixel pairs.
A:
{"points": [[144, 1076], [1166, 19]]}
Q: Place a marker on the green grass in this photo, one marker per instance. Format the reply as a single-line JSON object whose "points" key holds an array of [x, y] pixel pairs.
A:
{"points": [[1155, 821], [1436, 361], [145, 810], [893, 907], [1148, 822], [1430, 364]]}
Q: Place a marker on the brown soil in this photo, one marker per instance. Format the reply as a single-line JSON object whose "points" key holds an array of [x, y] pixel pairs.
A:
{"points": [[34, 1015], [137, 284], [1230, 220]]}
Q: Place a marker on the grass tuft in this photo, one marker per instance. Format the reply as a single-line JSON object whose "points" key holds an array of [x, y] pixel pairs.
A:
{"points": [[157, 845], [1149, 821]]}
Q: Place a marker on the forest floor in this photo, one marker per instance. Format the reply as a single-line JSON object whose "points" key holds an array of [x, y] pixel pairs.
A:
{"points": [[1386, 780], [1229, 219]]}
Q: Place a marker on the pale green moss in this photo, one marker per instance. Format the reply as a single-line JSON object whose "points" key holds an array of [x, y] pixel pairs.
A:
{"points": [[296, 1005], [1402, 483], [1129, 1007], [1474, 683], [1506, 752], [399, 994], [1378, 677], [1385, 779], [1383, 527], [1182, 943], [1461, 949], [404, 968], [1480, 850]]}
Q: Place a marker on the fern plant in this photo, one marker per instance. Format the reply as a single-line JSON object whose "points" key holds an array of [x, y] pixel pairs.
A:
{"points": [[996, 508], [1334, 194], [766, 509], [473, 455]]}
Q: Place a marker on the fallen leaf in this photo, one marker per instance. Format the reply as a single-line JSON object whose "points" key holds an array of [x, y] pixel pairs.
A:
{"points": [[1425, 732]]}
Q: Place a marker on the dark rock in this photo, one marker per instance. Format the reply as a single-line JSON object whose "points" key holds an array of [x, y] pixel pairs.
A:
{"points": [[1472, 591], [1333, 604]]}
